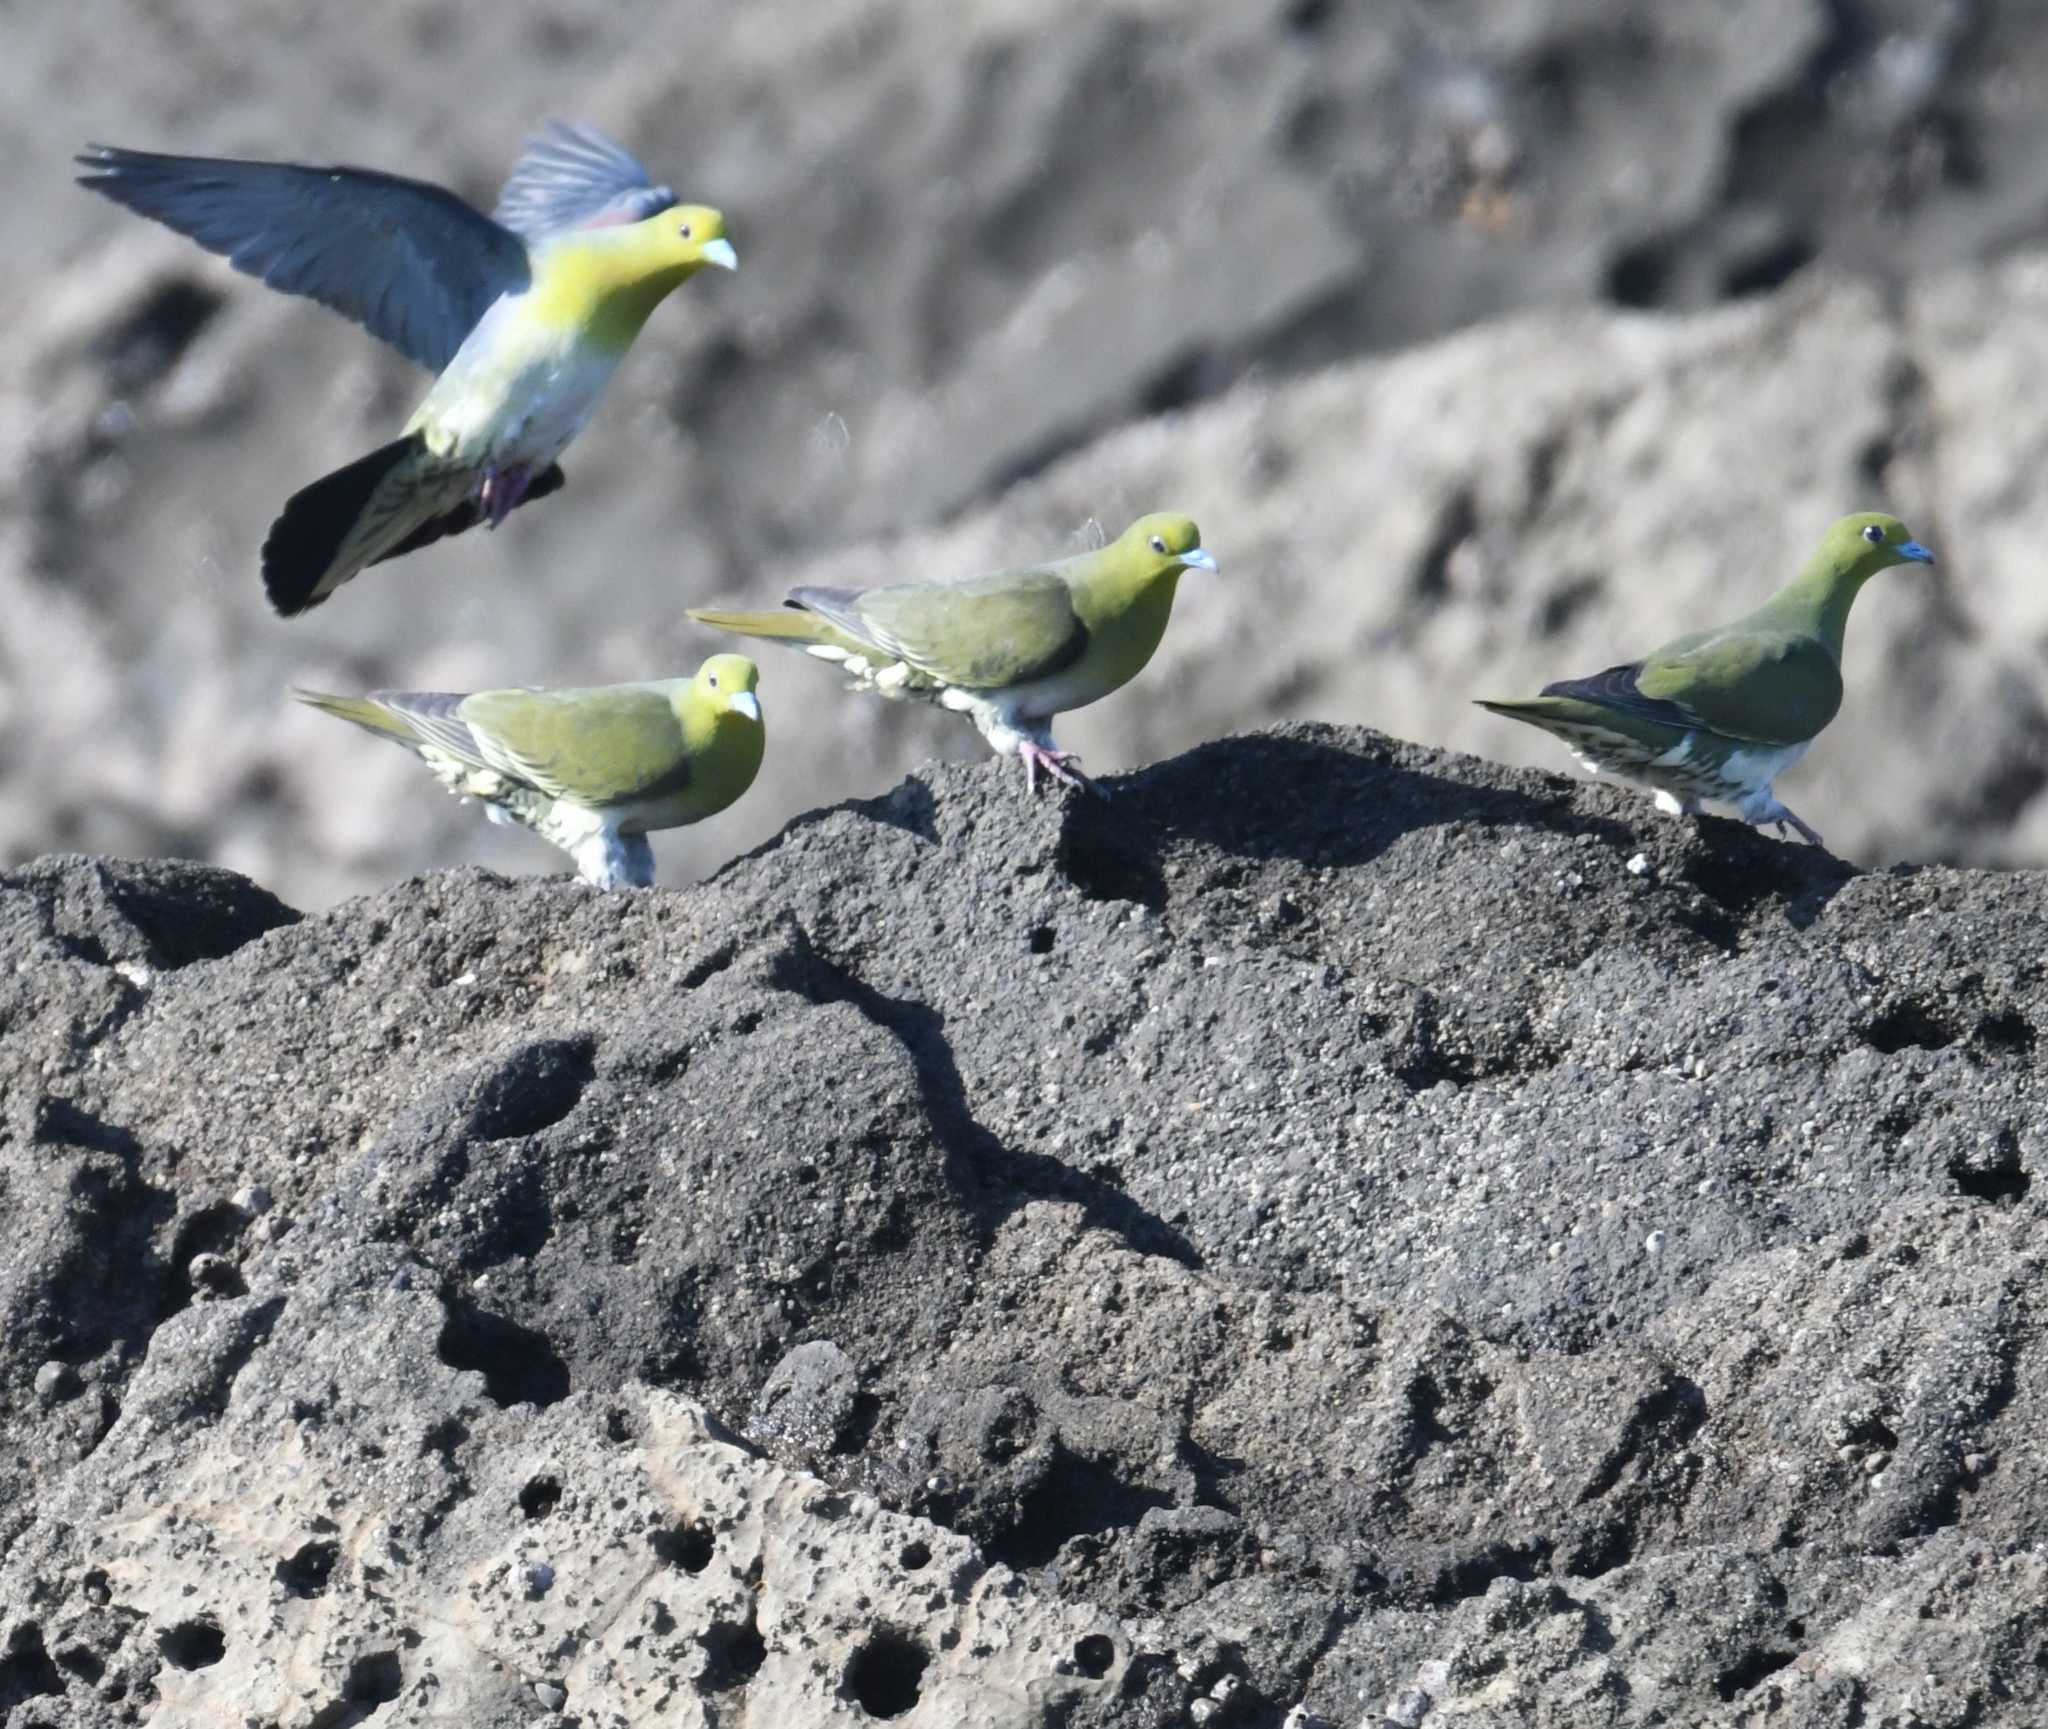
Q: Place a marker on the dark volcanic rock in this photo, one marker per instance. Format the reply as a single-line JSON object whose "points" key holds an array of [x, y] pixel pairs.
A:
{"points": [[1336, 1226]]}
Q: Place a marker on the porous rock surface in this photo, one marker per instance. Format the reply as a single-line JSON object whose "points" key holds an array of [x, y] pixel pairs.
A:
{"points": [[1340, 1234]]}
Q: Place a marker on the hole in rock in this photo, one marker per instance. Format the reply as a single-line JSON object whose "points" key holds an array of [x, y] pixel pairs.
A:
{"points": [[1770, 268], [518, 1365], [540, 1497], [1874, 1432], [194, 1644], [1759, 1665], [1094, 1654], [736, 1651], [146, 344], [1908, 1026], [2009, 1034], [373, 1680], [305, 1572], [2006, 1181], [26, 1672], [81, 1660], [916, 1553], [1041, 939], [1078, 1496], [1638, 277], [687, 1547], [886, 1675], [533, 1089]]}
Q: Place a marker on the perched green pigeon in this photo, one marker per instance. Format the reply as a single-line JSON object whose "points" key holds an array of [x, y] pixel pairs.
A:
{"points": [[1009, 650], [523, 315], [1722, 713], [594, 771]]}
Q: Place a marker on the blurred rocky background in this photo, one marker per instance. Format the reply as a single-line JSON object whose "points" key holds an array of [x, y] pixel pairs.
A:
{"points": [[1488, 342]]}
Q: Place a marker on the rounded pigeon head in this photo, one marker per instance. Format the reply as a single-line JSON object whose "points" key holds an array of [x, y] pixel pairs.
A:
{"points": [[1870, 541], [1170, 541], [729, 681]]}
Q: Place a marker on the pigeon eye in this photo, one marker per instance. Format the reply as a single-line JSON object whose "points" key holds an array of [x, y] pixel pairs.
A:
{"points": [[1159, 543], [712, 681], [1874, 535], [685, 231]]}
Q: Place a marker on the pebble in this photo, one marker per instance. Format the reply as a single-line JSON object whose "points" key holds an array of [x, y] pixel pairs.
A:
{"points": [[1410, 1709], [254, 1200], [56, 1382], [553, 1697], [1653, 1243], [1875, 1463], [1639, 866], [214, 1276]]}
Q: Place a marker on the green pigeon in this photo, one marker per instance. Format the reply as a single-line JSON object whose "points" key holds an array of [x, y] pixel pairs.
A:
{"points": [[523, 315], [594, 771], [1722, 713], [1009, 650]]}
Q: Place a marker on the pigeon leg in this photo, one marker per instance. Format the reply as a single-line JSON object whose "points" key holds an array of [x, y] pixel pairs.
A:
{"points": [[502, 490], [1776, 815]]}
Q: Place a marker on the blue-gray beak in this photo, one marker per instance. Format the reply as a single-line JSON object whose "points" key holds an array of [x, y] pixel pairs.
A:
{"points": [[1915, 551]]}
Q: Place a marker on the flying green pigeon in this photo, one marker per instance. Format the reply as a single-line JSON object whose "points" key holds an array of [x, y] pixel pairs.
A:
{"points": [[523, 315], [593, 771], [1722, 713], [1009, 650]]}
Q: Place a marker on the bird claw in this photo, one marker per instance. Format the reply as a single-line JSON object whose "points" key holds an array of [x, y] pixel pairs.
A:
{"points": [[1056, 763], [1784, 825]]}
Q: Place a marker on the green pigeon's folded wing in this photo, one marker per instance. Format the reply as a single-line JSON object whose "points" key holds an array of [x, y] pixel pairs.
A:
{"points": [[575, 177], [592, 747], [985, 633], [1773, 687], [432, 718], [410, 262]]}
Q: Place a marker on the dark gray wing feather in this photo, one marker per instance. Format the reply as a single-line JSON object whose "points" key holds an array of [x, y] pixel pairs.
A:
{"points": [[572, 176], [1616, 688], [410, 262]]}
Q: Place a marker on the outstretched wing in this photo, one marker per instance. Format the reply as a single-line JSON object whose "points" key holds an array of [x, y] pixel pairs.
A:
{"points": [[410, 262], [572, 176], [592, 747], [986, 633]]}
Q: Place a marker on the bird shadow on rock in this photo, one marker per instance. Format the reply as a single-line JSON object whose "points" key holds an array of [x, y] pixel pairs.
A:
{"points": [[1326, 796], [991, 1178], [1738, 871], [1320, 795]]}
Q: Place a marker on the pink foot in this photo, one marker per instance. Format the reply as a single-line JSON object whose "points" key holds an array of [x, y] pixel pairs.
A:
{"points": [[1056, 764], [501, 491]]}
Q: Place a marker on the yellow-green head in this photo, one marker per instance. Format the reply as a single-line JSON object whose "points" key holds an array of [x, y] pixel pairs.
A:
{"points": [[1860, 546], [722, 731], [606, 280], [1159, 545], [1124, 591], [725, 685], [685, 237], [1849, 555]]}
